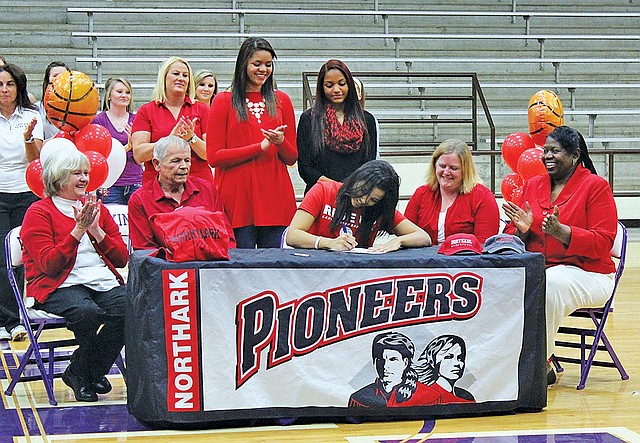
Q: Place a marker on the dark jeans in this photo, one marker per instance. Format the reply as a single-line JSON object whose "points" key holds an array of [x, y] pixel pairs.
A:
{"points": [[250, 237], [86, 310], [120, 194], [12, 209]]}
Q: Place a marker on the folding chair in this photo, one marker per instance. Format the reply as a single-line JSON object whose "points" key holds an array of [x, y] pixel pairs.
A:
{"points": [[599, 341], [40, 351]]}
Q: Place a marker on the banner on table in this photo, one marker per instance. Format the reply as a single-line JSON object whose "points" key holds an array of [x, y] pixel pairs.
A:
{"points": [[388, 337]]}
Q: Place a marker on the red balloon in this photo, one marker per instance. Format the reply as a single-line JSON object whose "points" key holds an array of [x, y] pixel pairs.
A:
{"points": [[98, 171], [64, 134], [509, 184], [34, 178], [540, 138], [513, 146], [94, 138], [530, 163], [516, 196]]}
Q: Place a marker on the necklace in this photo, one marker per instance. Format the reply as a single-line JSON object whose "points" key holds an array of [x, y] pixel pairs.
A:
{"points": [[118, 122], [257, 109]]}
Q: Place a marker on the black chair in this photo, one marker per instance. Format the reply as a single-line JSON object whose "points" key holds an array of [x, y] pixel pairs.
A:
{"points": [[598, 316]]}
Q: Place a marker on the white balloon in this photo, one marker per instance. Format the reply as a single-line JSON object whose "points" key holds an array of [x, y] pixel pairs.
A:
{"points": [[117, 160], [54, 145]]}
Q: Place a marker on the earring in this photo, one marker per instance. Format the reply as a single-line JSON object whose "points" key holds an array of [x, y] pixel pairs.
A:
{"points": [[574, 161]]}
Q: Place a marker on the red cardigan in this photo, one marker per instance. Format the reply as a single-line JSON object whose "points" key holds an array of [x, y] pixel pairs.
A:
{"points": [[50, 250], [255, 185], [586, 204], [473, 213]]}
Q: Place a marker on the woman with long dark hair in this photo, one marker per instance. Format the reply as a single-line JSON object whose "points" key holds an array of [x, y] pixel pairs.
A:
{"points": [[570, 216], [21, 135], [253, 140], [335, 136], [361, 208]]}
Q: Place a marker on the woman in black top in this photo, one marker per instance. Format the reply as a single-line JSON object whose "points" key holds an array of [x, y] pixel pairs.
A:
{"points": [[335, 136]]}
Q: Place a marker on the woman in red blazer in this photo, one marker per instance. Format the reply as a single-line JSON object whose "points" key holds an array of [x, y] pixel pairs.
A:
{"points": [[570, 216]]}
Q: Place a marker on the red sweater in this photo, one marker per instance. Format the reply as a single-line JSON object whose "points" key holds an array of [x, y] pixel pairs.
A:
{"points": [[50, 250], [473, 213], [586, 204], [255, 185]]}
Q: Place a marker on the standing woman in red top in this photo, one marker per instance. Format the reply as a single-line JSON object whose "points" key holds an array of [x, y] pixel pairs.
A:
{"points": [[570, 216], [172, 112], [454, 200], [252, 140]]}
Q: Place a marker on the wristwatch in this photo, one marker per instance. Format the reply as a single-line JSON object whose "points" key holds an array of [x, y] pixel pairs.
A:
{"points": [[30, 140], [192, 139]]}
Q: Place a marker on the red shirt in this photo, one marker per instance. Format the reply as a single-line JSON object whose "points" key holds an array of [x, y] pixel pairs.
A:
{"points": [[154, 117], [473, 213], [586, 204], [448, 397], [150, 199], [424, 395], [255, 185], [320, 202], [50, 250]]}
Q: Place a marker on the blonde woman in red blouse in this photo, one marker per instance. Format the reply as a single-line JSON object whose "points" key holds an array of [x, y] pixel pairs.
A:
{"points": [[454, 200]]}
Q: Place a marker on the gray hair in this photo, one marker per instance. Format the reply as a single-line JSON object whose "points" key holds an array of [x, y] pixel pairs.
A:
{"points": [[161, 146], [58, 166]]}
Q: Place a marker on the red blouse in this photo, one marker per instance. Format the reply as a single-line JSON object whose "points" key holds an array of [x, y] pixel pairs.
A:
{"points": [[156, 119]]}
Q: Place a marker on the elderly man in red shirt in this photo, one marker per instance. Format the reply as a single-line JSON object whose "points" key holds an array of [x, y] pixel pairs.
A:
{"points": [[172, 189]]}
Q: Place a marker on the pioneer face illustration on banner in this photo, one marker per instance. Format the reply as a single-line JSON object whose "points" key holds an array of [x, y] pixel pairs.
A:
{"points": [[399, 382], [393, 338]]}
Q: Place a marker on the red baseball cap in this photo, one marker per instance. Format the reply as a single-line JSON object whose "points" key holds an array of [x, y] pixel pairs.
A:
{"points": [[460, 244]]}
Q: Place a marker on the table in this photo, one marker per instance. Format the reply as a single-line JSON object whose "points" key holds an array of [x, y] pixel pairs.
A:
{"points": [[291, 333]]}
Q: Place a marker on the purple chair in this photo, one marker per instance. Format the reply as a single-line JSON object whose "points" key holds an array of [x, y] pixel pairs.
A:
{"points": [[40, 351], [598, 316]]}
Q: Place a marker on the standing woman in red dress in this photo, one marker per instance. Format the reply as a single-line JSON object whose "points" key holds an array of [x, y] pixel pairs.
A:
{"points": [[252, 140]]}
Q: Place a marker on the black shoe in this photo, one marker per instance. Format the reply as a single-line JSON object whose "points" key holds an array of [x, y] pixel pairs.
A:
{"points": [[80, 390], [551, 376], [101, 385]]}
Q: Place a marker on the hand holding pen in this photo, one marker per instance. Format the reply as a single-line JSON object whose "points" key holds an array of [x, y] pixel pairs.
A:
{"points": [[345, 241]]}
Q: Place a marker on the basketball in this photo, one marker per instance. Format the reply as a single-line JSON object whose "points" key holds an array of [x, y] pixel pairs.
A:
{"points": [[71, 101], [545, 114]]}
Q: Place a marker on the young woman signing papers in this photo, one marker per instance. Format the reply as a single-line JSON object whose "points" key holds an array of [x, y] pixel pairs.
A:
{"points": [[340, 216]]}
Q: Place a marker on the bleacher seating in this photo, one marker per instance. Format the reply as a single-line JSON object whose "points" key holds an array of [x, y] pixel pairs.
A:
{"points": [[514, 47]]}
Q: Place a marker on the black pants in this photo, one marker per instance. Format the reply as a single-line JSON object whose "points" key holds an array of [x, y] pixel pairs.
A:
{"points": [[12, 209], [250, 237], [86, 310]]}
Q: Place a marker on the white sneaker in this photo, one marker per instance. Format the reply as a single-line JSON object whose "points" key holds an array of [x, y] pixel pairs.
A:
{"points": [[4, 335], [18, 333]]}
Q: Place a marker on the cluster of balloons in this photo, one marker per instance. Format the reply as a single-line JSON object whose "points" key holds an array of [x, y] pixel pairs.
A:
{"points": [[523, 152], [74, 93]]}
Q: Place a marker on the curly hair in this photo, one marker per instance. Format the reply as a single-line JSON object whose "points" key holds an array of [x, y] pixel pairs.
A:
{"points": [[426, 366]]}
